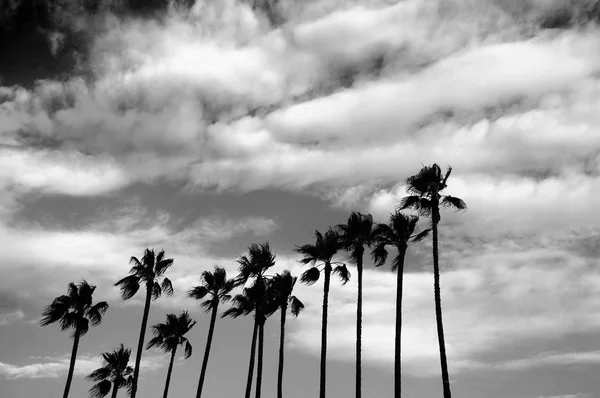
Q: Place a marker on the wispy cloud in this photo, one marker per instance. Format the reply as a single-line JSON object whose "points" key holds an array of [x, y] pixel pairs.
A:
{"points": [[53, 367]]}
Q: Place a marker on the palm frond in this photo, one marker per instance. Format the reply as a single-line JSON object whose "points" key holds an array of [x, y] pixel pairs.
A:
{"points": [[232, 312], [100, 389], [95, 312], [343, 273], [129, 286], [188, 349], [167, 286], [56, 310], [198, 292], [99, 374], [156, 291], [421, 235], [310, 276], [453, 203], [410, 202], [296, 306], [379, 254], [162, 264]]}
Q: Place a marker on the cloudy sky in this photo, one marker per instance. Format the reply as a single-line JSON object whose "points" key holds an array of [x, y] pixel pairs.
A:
{"points": [[202, 128]]}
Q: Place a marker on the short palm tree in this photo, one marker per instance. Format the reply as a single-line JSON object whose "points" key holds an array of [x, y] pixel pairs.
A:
{"points": [[168, 336], [322, 252], [76, 312], [254, 266], [397, 233], [114, 373], [216, 288], [357, 233], [283, 287], [242, 305], [424, 189], [148, 273]]}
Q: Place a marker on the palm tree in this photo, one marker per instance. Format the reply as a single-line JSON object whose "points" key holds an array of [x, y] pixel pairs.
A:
{"points": [[74, 311], [397, 233], [424, 189], [114, 373], [169, 335], [283, 287], [254, 265], [357, 233], [217, 287], [246, 304], [146, 272], [325, 247]]}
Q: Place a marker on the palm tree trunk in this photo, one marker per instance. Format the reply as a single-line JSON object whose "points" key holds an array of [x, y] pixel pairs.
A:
{"points": [[140, 348], [323, 377], [281, 352], [359, 267], [115, 390], [251, 366], [169, 373], [398, 337], [211, 330], [438, 304], [259, 365], [72, 364]]}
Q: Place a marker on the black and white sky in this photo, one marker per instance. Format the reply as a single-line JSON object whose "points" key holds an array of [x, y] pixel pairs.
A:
{"points": [[202, 127]]}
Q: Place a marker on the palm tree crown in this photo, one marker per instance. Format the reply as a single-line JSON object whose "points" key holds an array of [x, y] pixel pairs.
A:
{"points": [[357, 233], [397, 233], [169, 335], [282, 287], [114, 373], [256, 263], [216, 286], [424, 189], [75, 309], [325, 247], [148, 271]]}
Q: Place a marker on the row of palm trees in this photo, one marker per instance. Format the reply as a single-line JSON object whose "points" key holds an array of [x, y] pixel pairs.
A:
{"points": [[263, 294]]}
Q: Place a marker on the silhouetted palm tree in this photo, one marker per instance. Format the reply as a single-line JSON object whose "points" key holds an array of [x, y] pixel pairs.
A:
{"points": [[114, 373], [169, 335], [282, 288], [217, 287], [74, 311], [397, 233], [146, 272], [254, 265], [246, 304], [357, 233], [424, 189], [325, 247]]}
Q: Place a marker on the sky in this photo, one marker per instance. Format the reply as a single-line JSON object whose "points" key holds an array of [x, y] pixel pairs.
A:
{"points": [[203, 127]]}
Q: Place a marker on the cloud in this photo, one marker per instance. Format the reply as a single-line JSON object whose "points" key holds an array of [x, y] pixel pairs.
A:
{"points": [[504, 297], [10, 317], [53, 367]]}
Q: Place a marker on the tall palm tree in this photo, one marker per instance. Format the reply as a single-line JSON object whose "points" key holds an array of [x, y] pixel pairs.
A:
{"points": [[322, 252], [74, 311], [397, 233], [114, 373], [217, 287], [357, 233], [169, 335], [424, 189], [147, 272], [254, 265], [283, 287], [246, 304]]}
